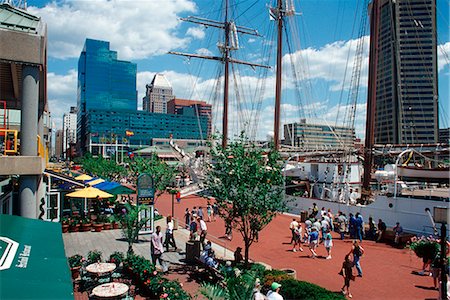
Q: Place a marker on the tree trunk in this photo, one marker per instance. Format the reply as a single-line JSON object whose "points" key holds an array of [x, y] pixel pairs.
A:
{"points": [[247, 248]]}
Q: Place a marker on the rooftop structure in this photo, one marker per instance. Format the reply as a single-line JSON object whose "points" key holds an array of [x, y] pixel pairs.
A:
{"points": [[191, 108], [158, 93]]}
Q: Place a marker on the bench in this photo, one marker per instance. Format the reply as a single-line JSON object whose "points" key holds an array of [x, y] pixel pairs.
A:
{"points": [[210, 271], [404, 238]]}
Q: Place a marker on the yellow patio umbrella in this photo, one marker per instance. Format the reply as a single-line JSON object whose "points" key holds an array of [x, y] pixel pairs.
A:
{"points": [[96, 181], [89, 192], [83, 177]]}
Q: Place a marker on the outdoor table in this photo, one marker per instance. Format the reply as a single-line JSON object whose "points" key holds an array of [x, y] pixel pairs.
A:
{"points": [[110, 290], [101, 268]]}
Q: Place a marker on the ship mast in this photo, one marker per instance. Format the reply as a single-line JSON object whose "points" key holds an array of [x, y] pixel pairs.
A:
{"points": [[371, 96], [230, 43]]}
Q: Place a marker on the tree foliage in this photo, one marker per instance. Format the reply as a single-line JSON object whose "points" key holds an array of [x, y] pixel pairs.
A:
{"points": [[101, 167], [247, 184], [131, 223]]}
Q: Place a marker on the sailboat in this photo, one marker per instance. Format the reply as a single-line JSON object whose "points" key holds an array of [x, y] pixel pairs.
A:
{"points": [[343, 183]]}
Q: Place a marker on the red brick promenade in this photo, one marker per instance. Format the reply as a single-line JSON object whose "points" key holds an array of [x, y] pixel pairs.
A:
{"points": [[387, 271]]}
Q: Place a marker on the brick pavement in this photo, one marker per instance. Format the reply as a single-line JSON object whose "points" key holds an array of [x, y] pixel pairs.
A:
{"points": [[387, 271]]}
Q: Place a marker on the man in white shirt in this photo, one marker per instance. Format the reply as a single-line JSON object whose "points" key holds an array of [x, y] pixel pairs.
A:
{"points": [[157, 248], [203, 230], [273, 293], [293, 226]]}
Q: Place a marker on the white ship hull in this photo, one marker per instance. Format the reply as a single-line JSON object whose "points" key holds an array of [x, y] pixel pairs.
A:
{"points": [[410, 212]]}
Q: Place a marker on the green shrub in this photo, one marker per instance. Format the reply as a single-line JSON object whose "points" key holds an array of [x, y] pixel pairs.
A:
{"points": [[258, 269], [295, 289], [75, 261], [94, 256], [116, 258]]}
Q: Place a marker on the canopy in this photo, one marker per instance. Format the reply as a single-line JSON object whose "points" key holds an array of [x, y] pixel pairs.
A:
{"points": [[121, 190], [95, 181], [83, 177], [89, 192], [105, 186], [33, 264]]}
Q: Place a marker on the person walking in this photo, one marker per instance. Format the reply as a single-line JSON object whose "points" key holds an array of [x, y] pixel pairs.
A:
{"points": [[193, 229], [187, 217], [215, 208], [351, 225], [357, 252], [203, 230], [228, 228], [156, 246], [293, 226], [313, 240], [347, 273], [342, 221], [200, 212], [209, 212], [381, 229], [178, 196], [359, 226], [328, 243], [298, 238], [169, 235]]}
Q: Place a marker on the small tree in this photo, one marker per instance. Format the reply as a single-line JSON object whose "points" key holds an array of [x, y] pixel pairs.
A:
{"points": [[132, 224], [247, 184]]}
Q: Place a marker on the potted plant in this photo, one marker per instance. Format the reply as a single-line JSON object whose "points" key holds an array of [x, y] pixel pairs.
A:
{"points": [[86, 224], [65, 224], [75, 263], [107, 223], [115, 221], [94, 256], [74, 224], [98, 224], [116, 258]]}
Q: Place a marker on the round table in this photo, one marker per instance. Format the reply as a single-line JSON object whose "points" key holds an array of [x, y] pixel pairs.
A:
{"points": [[101, 268], [110, 290]]}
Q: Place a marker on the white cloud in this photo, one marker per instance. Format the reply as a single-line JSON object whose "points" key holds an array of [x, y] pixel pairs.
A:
{"points": [[204, 51], [196, 32], [443, 56], [136, 31]]}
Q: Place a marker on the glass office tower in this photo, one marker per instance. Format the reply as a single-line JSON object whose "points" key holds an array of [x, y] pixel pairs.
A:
{"points": [[104, 82]]}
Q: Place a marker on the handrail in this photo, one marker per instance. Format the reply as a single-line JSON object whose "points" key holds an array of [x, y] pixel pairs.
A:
{"points": [[9, 146]]}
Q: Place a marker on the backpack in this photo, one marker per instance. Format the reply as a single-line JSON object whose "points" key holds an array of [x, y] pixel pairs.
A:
{"points": [[357, 251]]}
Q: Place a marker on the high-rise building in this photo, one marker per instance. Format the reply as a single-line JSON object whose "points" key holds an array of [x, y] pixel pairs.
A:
{"points": [[158, 93], [59, 144], [69, 131], [406, 71], [191, 108], [444, 135], [318, 137], [104, 82]]}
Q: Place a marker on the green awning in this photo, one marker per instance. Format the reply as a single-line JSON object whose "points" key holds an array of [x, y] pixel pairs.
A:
{"points": [[33, 263], [121, 190]]}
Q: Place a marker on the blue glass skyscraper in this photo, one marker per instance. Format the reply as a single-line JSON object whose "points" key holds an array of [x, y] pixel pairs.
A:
{"points": [[104, 82]]}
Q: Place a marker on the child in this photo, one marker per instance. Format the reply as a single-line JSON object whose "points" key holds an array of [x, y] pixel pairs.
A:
{"points": [[347, 273]]}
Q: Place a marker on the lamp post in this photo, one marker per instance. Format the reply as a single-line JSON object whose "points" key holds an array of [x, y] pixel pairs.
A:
{"points": [[440, 216]]}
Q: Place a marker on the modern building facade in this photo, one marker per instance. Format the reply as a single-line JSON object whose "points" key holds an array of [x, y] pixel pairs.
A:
{"points": [[406, 72], [136, 129], [191, 108], [69, 130], [158, 93], [444, 135], [318, 137], [104, 82], [59, 142]]}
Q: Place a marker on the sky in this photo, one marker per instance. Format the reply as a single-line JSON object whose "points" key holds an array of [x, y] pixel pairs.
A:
{"points": [[323, 36]]}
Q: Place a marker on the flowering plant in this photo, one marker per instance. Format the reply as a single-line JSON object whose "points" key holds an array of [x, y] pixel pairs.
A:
{"points": [[425, 247], [75, 261]]}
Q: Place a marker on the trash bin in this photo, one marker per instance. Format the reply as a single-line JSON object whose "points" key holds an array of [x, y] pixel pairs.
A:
{"points": [[303, 216], [192, 250]]}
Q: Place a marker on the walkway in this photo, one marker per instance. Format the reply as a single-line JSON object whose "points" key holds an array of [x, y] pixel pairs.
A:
{"points": [[387, 271]]}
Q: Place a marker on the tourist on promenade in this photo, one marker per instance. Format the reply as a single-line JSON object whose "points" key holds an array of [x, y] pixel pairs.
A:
{"points": [[178, 196], [323, 213], [294, 225], [342, 221], [257, 295], [324, 226], [193, 229], [328, 243], [169, 235], [273, 293], [330, 219], [156, 246], [314, 211], [209, 212], [317, 225], [381, 229], [211, 260], [215, 208], [194, 212], [347, 273], [398, 230], [203, 230], [228, 228], [359, 226], [200, 212], [351, 226], [298, 238], [313, 241], [187, 217], [372, 232], [238, 258], [357, 252]]}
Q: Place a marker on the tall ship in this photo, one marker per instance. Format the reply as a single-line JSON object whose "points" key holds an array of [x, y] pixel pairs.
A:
{"points": [[401, 171]]}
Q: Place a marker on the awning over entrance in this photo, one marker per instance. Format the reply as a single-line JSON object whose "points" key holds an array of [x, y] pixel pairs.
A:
{"points": [[33, 264]]}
